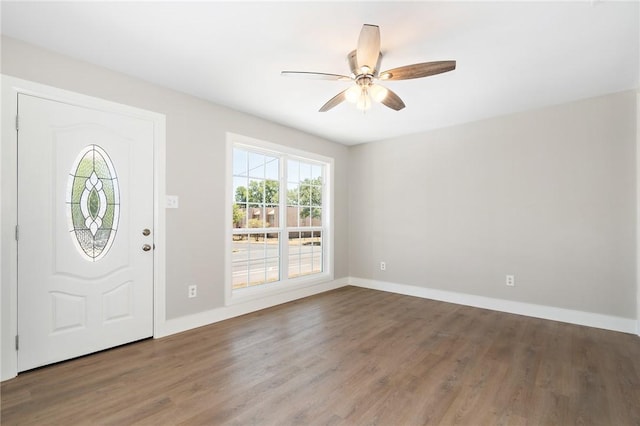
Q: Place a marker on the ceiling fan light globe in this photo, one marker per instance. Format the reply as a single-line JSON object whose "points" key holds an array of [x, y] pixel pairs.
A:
{"points": [[353, 94], [364, 101], [378, 93]]}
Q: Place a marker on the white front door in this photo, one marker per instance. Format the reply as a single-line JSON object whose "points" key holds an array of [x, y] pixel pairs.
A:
{"points": [[85, 218]]}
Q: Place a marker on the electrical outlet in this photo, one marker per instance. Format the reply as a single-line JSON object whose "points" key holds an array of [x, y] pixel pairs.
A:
{"points": [[193, 291], [172, 202], [511, 280], [383, 266]]}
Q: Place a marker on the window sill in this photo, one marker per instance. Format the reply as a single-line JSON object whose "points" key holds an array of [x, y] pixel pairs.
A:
{"points": [[276, 288]]}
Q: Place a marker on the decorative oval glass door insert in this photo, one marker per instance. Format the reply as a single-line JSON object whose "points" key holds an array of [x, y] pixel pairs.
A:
{"points": [[93, 203]]}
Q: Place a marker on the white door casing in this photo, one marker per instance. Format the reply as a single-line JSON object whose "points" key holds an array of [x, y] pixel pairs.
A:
{"points": [[638, 211], [73, 301]]}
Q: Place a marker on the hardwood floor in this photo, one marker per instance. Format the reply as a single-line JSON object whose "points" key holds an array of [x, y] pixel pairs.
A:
{"points": [[349, 356]]}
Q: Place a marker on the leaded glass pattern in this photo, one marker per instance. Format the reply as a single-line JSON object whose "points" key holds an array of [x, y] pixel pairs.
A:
{"points": [[93, 203]]}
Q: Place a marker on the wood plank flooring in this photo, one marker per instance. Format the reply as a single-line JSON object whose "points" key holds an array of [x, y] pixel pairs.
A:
{"points": [[347, 357]]}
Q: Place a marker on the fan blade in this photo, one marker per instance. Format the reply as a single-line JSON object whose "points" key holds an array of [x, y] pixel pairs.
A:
{"points": [[314, 75], [368, 47], [424, 69], [353, 62], [393, 101], [336, 100]]}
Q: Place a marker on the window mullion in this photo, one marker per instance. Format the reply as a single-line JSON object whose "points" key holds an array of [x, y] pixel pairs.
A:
{"points": [[284, 237]]}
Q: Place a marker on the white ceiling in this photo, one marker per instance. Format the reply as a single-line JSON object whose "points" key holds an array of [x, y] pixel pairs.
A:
{"points": [[511, 56]]}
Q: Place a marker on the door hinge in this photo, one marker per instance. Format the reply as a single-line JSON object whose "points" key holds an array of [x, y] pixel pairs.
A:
{"points": [[17, 342], [17, 232], [17, 122]]}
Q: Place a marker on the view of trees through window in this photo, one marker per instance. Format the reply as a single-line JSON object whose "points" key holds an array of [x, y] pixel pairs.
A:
{"points": [[276, 235]]}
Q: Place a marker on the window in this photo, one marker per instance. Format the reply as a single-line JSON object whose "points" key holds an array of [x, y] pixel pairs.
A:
{"points": [[93, 203], [279, 217]]}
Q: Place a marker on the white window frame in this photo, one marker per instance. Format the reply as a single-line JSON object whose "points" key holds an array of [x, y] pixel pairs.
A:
{"points": [[284, 284]]}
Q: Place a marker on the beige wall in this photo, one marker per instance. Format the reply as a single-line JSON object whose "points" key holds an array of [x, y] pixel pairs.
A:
{"points": [[547, 195], [195, 144]]}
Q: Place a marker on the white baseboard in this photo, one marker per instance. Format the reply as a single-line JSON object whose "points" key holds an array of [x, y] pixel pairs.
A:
{"points": [[200, 319], [590, 319]]}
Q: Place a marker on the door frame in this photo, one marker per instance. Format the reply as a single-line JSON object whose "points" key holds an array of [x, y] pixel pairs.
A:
{"points": [[11, 87], [638, 212]]}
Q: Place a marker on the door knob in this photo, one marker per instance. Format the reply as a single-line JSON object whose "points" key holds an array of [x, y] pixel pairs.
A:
{"points": [[146, 247], [145, 232]]}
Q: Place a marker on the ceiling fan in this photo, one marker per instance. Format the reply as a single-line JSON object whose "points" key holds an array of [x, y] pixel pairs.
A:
{"points": [[364, 63]]}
